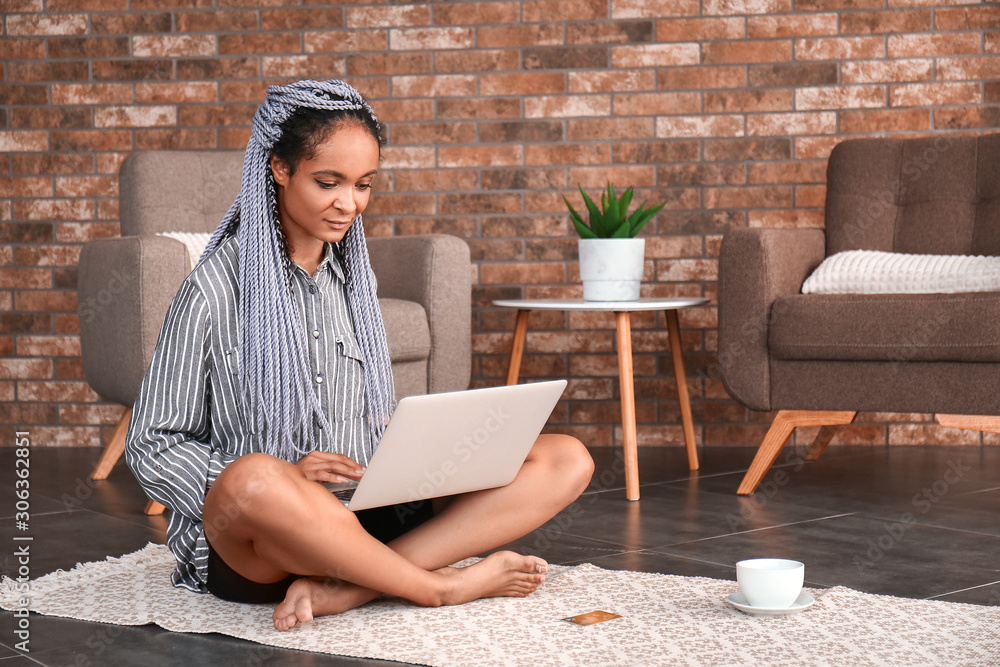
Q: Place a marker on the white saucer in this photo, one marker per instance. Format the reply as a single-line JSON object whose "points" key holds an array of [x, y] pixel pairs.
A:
{"points": [[803, 602]]}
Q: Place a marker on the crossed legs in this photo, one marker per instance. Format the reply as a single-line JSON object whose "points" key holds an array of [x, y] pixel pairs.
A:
{"points": [[266, 520]]}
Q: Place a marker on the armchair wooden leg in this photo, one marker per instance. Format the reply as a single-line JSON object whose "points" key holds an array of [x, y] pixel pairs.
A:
{"points": [[988, 423], [153, 508], [114, 449], [784, 423], [112, 452]]}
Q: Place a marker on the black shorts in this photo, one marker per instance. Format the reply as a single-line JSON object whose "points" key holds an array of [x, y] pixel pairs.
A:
{"points": [[383, 523]]}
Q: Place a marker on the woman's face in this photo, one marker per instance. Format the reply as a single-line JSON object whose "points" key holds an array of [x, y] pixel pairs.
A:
{"points": [[321, 199]]}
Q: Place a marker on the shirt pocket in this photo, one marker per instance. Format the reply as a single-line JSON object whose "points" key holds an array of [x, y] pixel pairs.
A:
{"points": [[348, 371], [231, 400], [347, 344]]}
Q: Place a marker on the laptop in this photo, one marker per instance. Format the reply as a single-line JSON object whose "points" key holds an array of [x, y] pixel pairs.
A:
{"points": [[454, 442]]}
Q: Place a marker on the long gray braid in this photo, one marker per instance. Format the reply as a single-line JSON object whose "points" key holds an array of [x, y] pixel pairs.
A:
{"points": [[274, 370]]}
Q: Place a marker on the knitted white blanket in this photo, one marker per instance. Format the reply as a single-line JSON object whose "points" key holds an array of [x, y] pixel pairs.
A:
{"points": [[876, 272], [194, 242]]}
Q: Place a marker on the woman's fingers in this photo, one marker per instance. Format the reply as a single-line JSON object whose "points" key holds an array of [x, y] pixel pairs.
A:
{"points": [[327, 476], [328, 457], [327, 467]]}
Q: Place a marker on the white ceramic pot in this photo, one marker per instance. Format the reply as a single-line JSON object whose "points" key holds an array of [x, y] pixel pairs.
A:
{"points": [[611, 269]]}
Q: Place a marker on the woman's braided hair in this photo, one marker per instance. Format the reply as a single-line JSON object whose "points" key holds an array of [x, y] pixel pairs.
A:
{"points": [[274, 370]]}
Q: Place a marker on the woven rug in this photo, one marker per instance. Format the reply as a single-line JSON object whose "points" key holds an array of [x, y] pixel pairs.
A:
{"points": [[665, 620]]}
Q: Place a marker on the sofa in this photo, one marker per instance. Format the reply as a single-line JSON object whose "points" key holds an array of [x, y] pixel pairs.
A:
{"points": [[818, 359]]}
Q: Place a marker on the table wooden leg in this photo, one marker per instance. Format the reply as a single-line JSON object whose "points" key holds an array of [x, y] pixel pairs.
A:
{"points": [[623, 325], [674, 328], [517, 349]]}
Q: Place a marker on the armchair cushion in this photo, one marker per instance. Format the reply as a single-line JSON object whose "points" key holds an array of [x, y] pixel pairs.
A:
{"points": [[887, 327], [406, 329]]}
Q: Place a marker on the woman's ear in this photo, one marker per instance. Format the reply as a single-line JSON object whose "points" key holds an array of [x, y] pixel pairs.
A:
{"points": [[280, 171]]}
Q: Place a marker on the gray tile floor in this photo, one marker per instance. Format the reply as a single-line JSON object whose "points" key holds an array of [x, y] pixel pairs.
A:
{"points": [[919, 522]]}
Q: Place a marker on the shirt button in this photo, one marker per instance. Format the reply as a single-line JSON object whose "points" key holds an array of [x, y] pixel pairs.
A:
{"points": [[316, 333], [312, 289], [319, 379]]}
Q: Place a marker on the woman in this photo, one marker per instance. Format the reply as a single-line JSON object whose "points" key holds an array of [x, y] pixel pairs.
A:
{"points": [[272, 374]]}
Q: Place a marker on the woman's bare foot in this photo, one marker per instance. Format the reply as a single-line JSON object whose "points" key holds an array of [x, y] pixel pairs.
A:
{"points": [[501, 574], [309, 597]]}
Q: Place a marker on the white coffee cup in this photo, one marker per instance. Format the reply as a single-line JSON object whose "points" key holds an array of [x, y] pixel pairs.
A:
{"points": [[770, 583]]}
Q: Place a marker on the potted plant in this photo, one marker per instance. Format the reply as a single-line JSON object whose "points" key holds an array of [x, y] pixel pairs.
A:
{"points": [[611, 258]]}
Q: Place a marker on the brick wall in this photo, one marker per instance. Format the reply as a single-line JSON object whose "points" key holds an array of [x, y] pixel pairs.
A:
{"points": [[495, 110]]}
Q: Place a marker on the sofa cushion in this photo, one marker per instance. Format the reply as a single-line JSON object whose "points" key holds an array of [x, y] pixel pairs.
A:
{"points": [[886, 327], [407, 330]]}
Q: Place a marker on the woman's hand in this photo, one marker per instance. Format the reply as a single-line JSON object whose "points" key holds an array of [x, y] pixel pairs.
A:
{"points": [[327, 467]]}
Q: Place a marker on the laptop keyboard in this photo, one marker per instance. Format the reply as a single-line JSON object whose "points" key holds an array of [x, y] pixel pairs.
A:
{"points": [[343, 490], [344, 495]]}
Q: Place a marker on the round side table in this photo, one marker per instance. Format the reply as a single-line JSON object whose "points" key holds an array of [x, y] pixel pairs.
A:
{"points": [[623, 326]]}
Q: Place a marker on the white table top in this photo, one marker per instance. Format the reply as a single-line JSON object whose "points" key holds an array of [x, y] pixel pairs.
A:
{"points": [[645, 303]]}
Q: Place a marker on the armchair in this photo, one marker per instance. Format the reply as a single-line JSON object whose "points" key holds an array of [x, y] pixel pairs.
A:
{"points": [[126, 284], [819, 359]]}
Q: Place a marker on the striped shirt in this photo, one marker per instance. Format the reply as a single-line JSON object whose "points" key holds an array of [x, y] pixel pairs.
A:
{"points": [[190, 420]]}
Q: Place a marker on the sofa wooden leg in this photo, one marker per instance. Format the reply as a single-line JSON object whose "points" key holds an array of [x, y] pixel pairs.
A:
{"points": [[822, 439], [988, 423], [154, 508], [784, 423], [114, 449]]}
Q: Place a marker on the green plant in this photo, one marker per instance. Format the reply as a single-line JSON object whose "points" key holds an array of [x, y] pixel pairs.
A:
{"points": [[611, 220]]}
